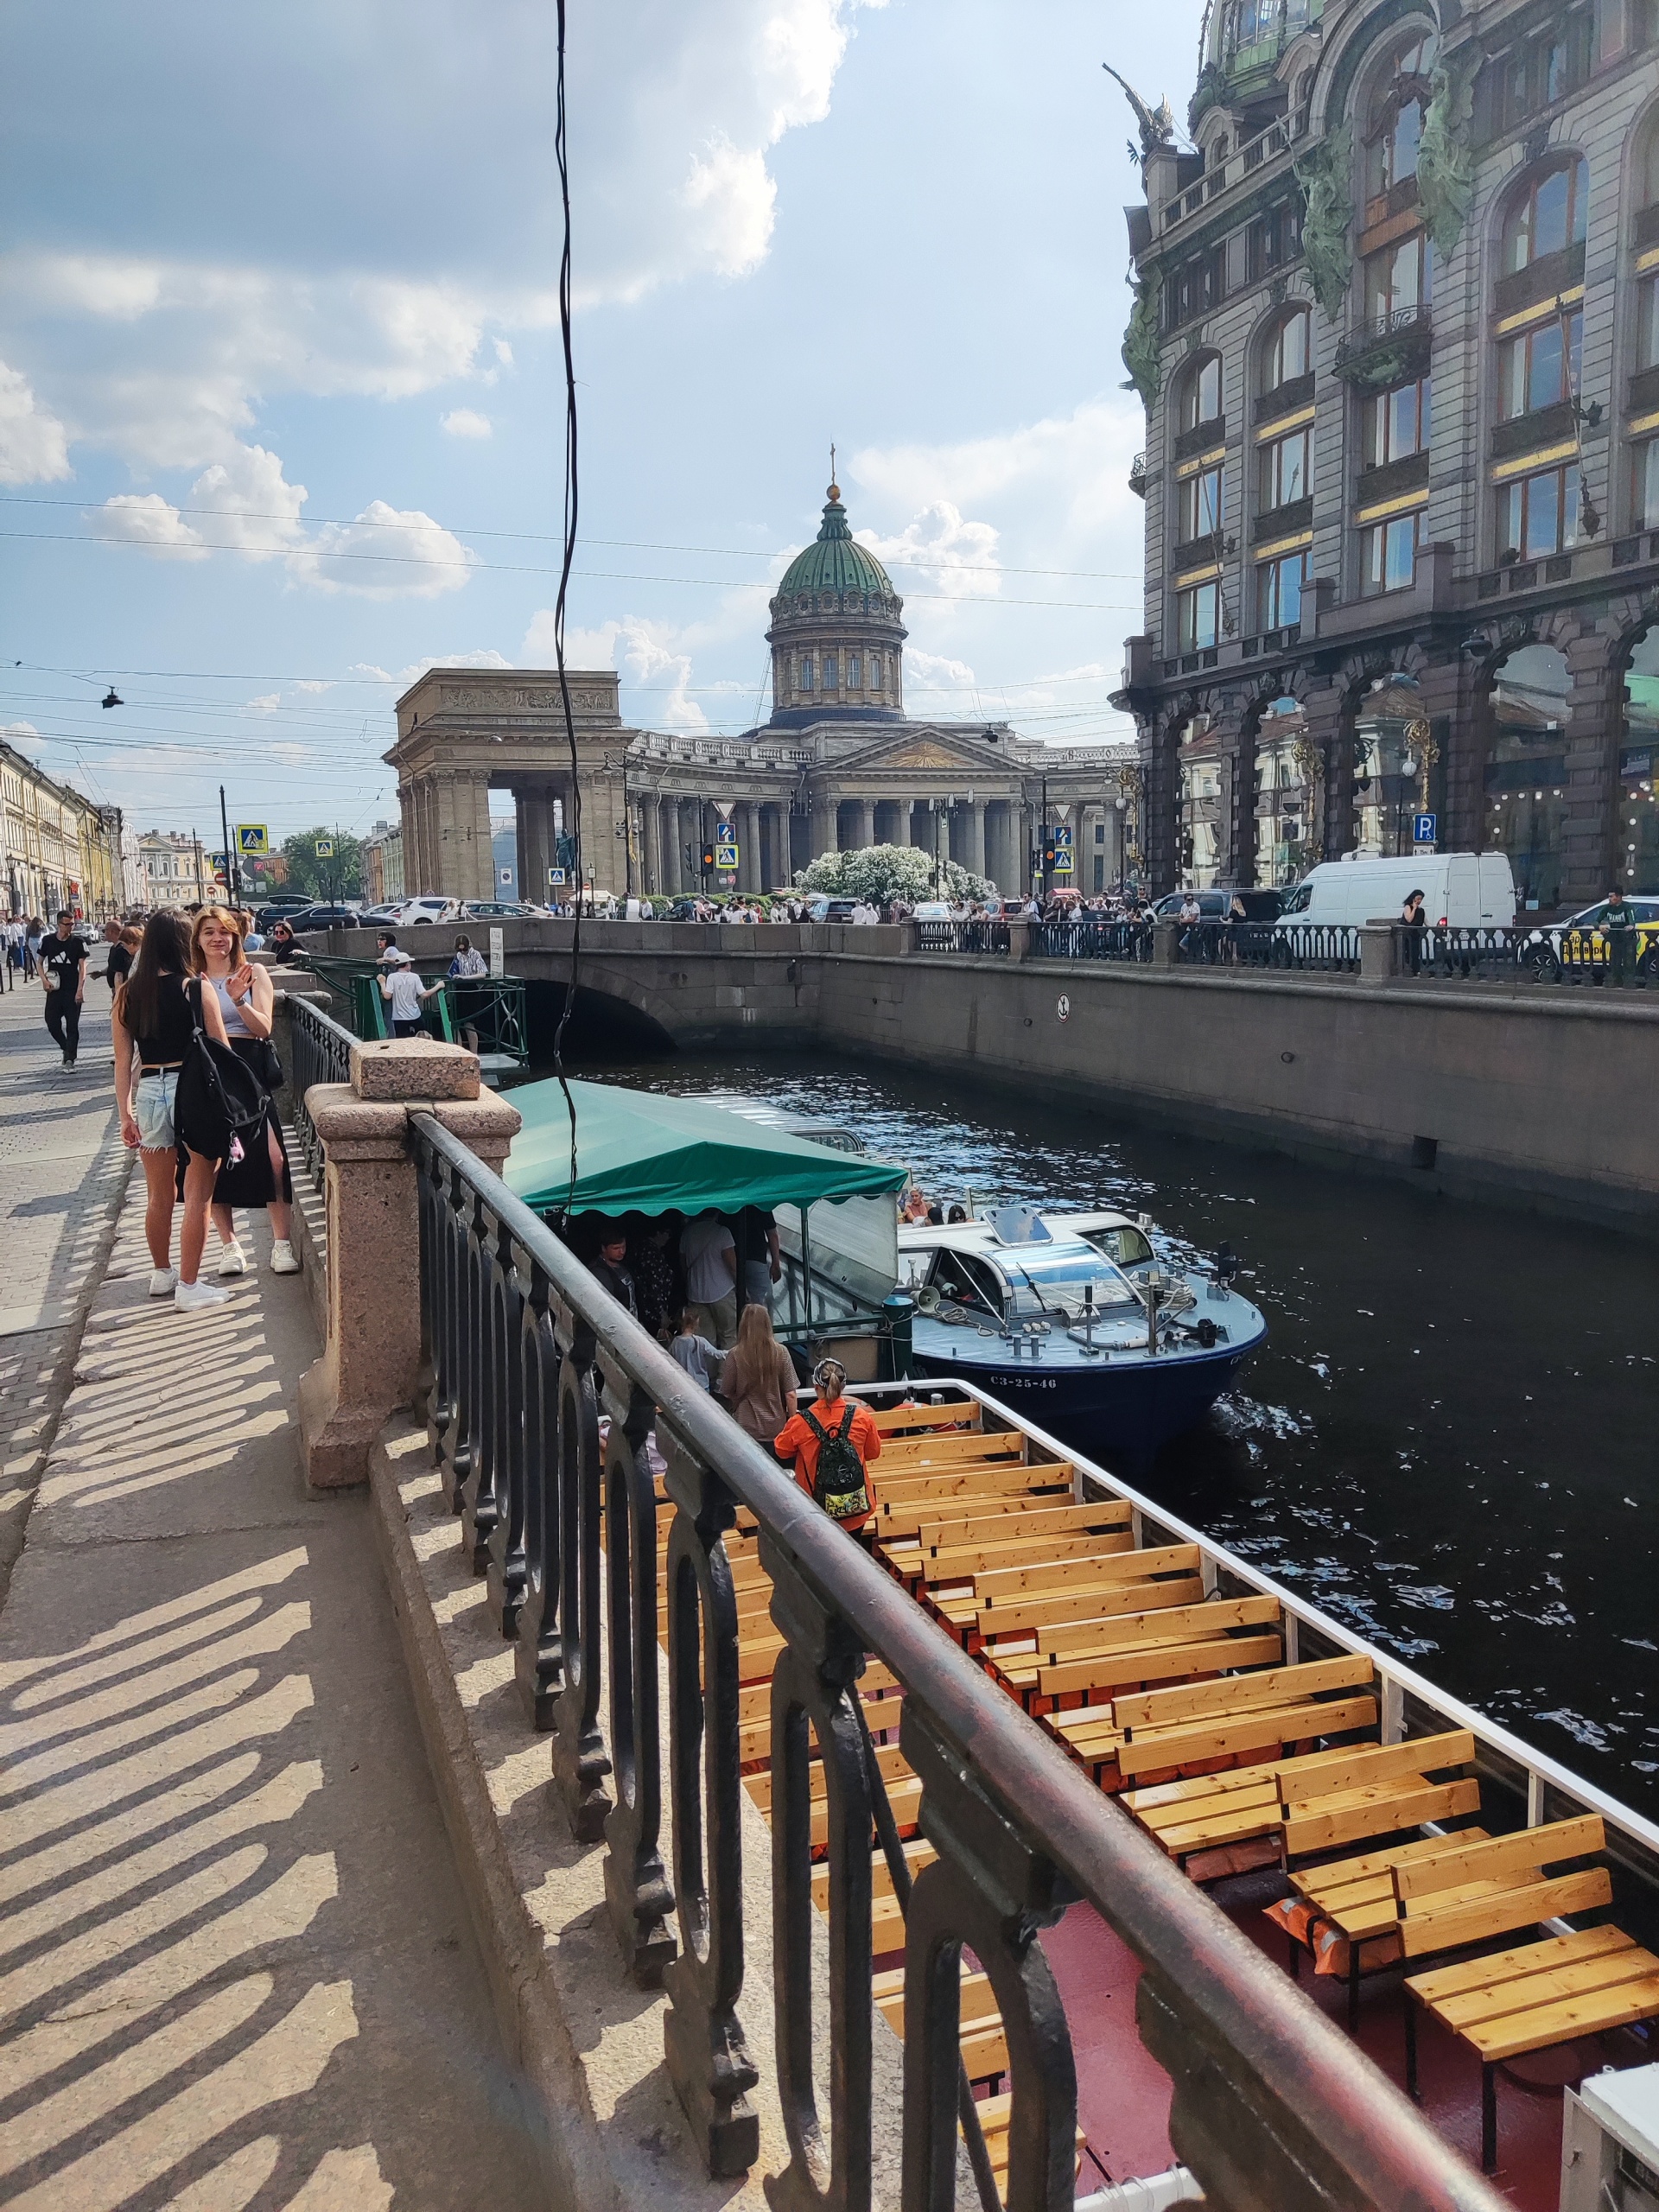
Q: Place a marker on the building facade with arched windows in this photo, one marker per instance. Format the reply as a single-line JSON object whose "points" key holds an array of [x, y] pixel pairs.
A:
{"points": [[1397, 327]]}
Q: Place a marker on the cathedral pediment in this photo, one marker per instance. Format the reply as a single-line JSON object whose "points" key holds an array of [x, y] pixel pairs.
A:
{"points": [[921, 753]]}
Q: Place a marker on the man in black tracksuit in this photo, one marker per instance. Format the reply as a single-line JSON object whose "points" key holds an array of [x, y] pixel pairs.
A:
{"points": [[63, 972]]}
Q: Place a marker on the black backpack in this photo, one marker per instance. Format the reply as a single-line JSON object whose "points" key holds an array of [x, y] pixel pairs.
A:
{"points": [[222, 1104], [839, 1486]]}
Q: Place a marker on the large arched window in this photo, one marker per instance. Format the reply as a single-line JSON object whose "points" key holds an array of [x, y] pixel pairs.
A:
{"points": [[1548, 215], [1391, 766], [1394, 120], [1198, 803], [1199, 398], [1636, 844], [1284, 806], [1286, 350], [1526, 770]]}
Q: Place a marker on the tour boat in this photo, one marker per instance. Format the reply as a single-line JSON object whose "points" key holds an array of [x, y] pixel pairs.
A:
{"points": [[1072, 1319]]}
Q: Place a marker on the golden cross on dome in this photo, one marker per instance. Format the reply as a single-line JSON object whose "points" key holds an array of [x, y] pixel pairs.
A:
{"points": [[834, 488]]}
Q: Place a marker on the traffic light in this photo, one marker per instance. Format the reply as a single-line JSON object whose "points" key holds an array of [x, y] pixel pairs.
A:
{"points": [[707, 860], [1048, 860]]}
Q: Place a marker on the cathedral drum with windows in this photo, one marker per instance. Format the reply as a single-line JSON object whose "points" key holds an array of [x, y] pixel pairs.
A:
{"points": [[1396, 330]]}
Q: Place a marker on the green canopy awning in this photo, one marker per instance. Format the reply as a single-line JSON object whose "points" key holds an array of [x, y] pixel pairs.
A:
{"points": [[638, 1152]]}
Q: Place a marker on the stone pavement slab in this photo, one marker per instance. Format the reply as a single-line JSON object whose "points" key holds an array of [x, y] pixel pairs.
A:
{"points": [[237, 1968], [63, 1170]]}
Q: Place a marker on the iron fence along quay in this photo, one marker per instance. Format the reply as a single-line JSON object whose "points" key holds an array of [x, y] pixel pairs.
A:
{"points": [[1273, 2109], [320, 1051]]}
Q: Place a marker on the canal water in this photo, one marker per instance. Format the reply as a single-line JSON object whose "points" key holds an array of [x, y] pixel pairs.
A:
{"points": [[1451, 1440]]}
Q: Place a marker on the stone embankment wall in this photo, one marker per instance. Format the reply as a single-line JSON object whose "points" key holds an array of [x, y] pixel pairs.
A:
{"points": [[1530, 1094]]}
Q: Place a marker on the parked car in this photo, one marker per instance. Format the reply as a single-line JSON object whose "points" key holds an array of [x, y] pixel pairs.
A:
{"points": [[322, 917], [496, 910], [830, 910], [1217, 905], [386, 913], [424, 909], [931, 910], [1578, 942], [282, 908]]}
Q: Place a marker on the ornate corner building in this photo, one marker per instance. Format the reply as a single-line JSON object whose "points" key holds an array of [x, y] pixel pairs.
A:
{"points": [[838, 766], [1396, 328]]}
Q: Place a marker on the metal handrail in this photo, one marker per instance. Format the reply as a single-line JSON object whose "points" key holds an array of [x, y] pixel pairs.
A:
{"points": [[320, 1049], [1272, 2103]]}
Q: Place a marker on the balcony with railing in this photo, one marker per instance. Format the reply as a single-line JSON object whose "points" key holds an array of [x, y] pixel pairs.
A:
{"points": [[1388, 347], [1247, 164]]}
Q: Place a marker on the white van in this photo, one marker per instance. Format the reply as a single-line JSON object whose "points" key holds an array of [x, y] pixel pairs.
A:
{"points": [[1462, 890]]}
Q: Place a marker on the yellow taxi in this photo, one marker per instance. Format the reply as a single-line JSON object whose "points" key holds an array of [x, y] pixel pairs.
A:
{"points": [[1581, 946]]}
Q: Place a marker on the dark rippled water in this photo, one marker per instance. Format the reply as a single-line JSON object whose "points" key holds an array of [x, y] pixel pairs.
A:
{"points": [[1452, 1439]]}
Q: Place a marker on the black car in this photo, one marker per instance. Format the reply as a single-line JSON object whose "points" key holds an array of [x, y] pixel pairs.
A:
{"points": [[280, 909], [320, 918], [1216, 906]]}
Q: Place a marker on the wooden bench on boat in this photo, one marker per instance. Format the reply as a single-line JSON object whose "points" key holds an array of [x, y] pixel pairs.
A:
{"points": [[1221, 1823], [1225, 1720]]}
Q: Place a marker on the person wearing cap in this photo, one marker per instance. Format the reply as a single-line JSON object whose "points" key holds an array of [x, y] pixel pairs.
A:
{"points": [[400, 986], [838, 1434]]}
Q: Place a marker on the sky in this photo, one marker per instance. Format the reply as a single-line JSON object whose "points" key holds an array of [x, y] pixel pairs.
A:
{"points": [[280, 387]]}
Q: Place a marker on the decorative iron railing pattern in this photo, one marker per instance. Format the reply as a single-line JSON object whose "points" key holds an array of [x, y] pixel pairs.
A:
{"points": [[320, 1051], [1088, 939], [982, 936], [1272, 2107], [1310, 946]]}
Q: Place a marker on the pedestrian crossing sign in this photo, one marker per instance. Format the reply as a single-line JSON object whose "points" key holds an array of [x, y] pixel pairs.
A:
{"points": [[325, 849], [252, 837], [726, 854], [556, 877], [1060, 838]]}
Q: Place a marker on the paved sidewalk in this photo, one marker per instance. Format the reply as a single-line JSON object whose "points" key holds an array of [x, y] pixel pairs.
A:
{"points": [[62, 1172], [236, 1964]]}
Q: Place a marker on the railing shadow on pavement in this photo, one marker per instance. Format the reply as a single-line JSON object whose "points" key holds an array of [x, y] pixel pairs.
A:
{"points": [[1272, 2108]]}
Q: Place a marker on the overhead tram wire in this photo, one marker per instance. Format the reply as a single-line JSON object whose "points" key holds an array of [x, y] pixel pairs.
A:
{"points": [[562, 158]]}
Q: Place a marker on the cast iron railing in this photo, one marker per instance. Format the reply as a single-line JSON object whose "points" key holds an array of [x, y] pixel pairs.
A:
{"points": [[1319, 946], [1272, 2108], [1089, 939], [320, 1051], [971, 935]]}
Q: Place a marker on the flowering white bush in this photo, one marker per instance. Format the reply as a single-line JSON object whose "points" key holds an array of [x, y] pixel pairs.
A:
{"points": [[878, 873]]}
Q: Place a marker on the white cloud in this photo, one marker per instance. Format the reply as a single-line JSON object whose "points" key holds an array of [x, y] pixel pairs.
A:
{"points": [[652, 655], [290, 754], [384, 553], [24, 737], [253, 507], [953, 555], [266, 704], [503, 353], [463, 422], [484, 657], [146, 519], [34, 444], [938, 672], [312, 683]]}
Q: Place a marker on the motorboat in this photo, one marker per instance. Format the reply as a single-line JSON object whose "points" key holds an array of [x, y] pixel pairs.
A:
{"points": [[1073, 1320]]}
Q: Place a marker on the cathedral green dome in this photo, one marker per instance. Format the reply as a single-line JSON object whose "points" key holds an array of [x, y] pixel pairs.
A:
{"points": [[834, 562]]}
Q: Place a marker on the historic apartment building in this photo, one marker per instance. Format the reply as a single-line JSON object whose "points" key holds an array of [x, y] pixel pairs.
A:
{"points": [[1397, 327], [58, 847], [837, 765]]}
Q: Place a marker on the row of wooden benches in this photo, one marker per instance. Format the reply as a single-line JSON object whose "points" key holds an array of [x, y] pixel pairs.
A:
{"points": [[1181, 1701]]}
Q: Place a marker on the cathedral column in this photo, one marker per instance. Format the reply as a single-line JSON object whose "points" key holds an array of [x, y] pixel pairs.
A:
{"points": [[748, 846], [533, 854], [973, 839], [645, 872], [824, 810], [483, 840], [864, 834]]}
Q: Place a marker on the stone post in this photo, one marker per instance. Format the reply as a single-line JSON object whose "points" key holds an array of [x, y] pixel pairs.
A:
{"points": [[1379, 952], [1019, 927], [371, 1355], [1166, 943]]}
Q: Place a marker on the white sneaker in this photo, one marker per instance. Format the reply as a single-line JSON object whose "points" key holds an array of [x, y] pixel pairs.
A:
{"points": [[189, 1295], [284, 1260], [162, 1281], [233, 1261]]}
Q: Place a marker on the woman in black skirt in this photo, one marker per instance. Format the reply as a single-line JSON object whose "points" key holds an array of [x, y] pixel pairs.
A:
{"points": [[247, 1002]]}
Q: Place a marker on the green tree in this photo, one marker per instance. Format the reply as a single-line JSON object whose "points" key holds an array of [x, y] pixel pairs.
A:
{"points": [[882, 872], [339, 877]]}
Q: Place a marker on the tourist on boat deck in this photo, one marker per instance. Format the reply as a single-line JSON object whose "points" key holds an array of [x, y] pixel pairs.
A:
{"points": [[651, 1265], [710, 1252], [700, 1360], [757, 1381], [609, 1264], [832, 1442]]}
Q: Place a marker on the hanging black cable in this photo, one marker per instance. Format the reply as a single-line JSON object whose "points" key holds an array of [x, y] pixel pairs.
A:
{"points": [[573, 826]]}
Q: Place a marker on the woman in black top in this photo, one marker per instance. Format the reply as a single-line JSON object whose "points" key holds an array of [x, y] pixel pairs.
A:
{"points": [[118, 966], [153, 1022]]}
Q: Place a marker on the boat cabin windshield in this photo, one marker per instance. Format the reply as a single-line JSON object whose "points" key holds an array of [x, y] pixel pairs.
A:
{"points": [[963, 1278], [1126, 1247], [1053, 1283]]}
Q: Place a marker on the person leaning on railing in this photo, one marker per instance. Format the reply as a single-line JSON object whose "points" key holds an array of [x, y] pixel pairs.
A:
{"points": [[1618, 925], [832, 1442]]}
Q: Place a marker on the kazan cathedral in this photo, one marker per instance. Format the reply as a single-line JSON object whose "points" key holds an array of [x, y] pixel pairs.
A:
{"points": [[838, 765], [1397, 329]]}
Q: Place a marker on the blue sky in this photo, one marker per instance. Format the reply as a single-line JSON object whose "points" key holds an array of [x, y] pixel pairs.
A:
{"points": [[279, 400]]}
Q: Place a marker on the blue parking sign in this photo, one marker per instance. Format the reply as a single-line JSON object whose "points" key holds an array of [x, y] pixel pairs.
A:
{"points": [[1424, 829]]}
